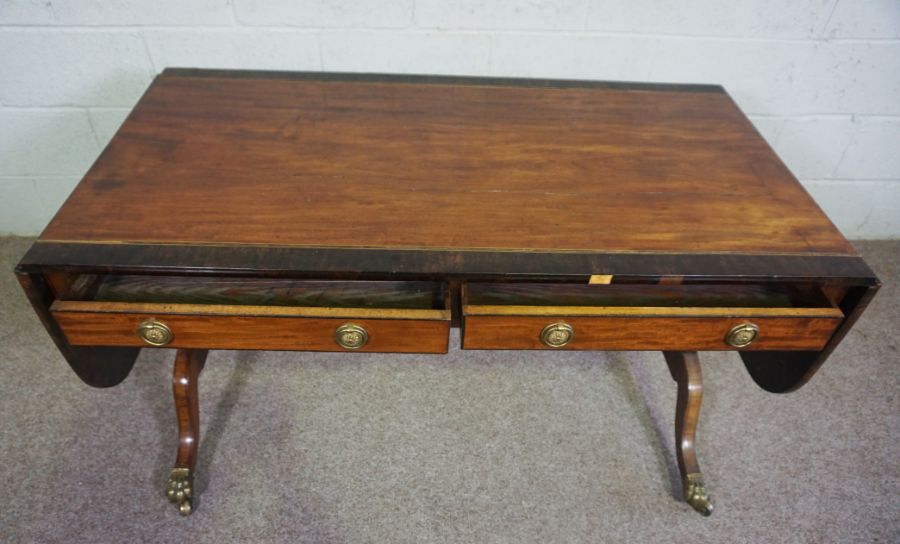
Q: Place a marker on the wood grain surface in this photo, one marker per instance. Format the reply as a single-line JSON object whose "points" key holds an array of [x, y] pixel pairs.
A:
{"points": [[64, 306], [651, 311], [669, 294], [185, 375], [380, 264], [685, 370], [226, 159], [254, 332], [206, 290], [647, 333]]}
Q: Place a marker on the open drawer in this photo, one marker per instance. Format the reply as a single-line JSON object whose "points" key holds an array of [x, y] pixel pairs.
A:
{"points": [[254, 313], [685, 317]]}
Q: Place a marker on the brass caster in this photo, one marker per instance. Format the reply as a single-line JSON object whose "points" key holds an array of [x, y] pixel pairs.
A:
{"points": [[179, 489], [695, 494]]}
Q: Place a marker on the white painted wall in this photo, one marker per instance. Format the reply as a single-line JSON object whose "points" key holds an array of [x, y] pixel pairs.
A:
{"points": [[820, 78]]}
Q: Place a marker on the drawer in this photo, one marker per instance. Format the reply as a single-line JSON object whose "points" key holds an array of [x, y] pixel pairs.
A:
{"points": [[689, 317], [247, 313]]}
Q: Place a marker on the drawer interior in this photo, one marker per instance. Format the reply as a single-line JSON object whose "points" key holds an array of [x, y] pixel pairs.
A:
{"points": [[544, 298], [277, 292]]}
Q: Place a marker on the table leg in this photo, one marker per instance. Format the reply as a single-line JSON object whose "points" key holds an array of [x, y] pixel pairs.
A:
{"points": [[685, 369], [180, 488]]}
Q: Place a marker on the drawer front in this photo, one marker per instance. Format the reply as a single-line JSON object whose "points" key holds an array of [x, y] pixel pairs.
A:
{"points": [[118, 325], [647, 317], [646, 333]]}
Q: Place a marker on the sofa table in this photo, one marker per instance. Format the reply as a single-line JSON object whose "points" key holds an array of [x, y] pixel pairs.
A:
{"points": [[371, 213]]}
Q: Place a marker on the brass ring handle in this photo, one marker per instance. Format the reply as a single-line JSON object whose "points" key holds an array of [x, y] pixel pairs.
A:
{"points": [[351, 336], [155, 333], [557, 335], [742, 335]]}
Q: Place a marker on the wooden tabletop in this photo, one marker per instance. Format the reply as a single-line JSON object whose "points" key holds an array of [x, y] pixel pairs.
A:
{"points": [[306, 160], [380, 174]]}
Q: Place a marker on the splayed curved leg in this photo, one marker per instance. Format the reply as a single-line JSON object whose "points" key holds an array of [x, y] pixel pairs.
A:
{"points": [[685, 369], [180, 488]]}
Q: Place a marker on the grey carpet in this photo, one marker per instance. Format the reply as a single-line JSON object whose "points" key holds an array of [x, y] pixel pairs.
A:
{"points": [[468, 447]]}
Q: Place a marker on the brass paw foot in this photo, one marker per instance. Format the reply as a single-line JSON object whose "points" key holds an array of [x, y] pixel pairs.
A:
{"points": [[179, 489], [695, 494]]}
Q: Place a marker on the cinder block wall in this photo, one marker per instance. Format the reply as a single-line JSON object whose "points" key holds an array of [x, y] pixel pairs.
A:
{"points": [[820, 78]]}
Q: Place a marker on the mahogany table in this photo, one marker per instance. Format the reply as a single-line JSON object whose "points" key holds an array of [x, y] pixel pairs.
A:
{"points": [[370, 213]]}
